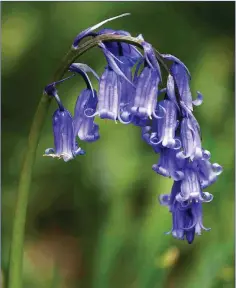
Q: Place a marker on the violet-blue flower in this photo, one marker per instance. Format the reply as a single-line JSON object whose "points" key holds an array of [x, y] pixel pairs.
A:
{"points": [[208, 172], [186, 217], [145, 98], [64, 139], [167, 125], [191, 189], [190, 140], [108, 95], [169, 165], [182, 79], [84, 126]]}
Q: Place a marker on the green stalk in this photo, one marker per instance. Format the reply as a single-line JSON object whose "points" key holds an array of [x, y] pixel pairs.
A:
{"points": [[17, 244]]}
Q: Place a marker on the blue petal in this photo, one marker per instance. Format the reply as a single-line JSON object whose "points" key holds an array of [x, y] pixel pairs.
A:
{"points": [[64, 138], [84, 127], [199, 100], [109, 95], [182, 82]]}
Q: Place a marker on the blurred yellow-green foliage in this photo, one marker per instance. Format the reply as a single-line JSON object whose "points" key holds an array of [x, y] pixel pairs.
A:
{"points": [[96, 222]]}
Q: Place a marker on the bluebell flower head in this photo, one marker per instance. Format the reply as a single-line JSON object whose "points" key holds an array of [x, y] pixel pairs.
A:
{"points": [[168, 126], [64, 138], [84, 126]]}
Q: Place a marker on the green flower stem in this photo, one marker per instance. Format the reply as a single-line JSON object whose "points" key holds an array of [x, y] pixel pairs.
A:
{"points": [[17, 244]]}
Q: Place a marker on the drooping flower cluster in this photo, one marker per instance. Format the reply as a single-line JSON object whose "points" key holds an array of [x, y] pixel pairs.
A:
{"points": [[168, 125]]}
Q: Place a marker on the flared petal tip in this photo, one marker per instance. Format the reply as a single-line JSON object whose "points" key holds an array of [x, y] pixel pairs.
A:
{"points": [[207, 197], [206, 154], [217, 168], [79, 151], [178, 234], [164, 199], [199, 99]]}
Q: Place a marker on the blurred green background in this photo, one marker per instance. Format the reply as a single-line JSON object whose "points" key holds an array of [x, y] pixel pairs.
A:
{"points": [[95, 221]]}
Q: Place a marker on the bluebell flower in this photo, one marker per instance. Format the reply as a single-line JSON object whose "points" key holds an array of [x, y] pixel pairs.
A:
{"points": [[64, 139], [145, 98], [109, 94], [84, 126], [121, 58], [186, 217], [169, 165], [115, 53], [127, 92], [191, 189], [167, 126], [151, 134], [191, 141], [63, 130], [182, 78], [170, 91], [208, 172], [179, 75]]}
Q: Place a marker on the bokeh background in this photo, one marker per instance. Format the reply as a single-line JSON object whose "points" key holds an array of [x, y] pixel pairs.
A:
{"points": [[95, 221]]}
